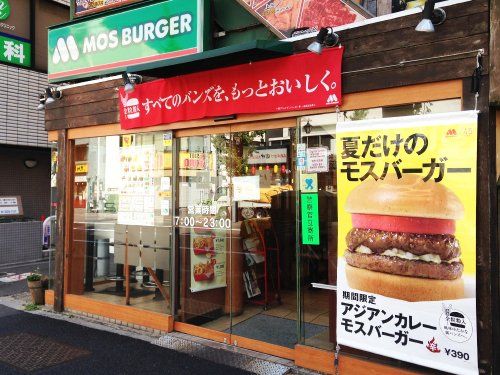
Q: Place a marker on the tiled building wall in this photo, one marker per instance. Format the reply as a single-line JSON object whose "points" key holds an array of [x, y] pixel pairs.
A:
{"points": [[20, 122], [32, 184]]}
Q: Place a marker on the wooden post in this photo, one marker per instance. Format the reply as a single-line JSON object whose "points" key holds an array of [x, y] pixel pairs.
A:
{"points": [[62, 169], [494, 55]]}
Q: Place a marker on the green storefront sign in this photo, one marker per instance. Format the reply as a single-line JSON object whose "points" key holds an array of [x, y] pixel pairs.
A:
{"points": [[15, 51], [310, 219], [158, 31], [4, 9]]}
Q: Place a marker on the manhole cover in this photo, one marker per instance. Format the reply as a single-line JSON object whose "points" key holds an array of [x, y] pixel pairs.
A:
{"points": [[31, 352]]}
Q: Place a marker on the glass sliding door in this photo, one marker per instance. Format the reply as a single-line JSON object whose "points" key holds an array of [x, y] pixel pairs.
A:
{"points": [[235, 235], [317, 230], [203, 231], [263, 259]]}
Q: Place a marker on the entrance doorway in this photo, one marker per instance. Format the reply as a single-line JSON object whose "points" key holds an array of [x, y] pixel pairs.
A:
{"points": [[235, 224]]}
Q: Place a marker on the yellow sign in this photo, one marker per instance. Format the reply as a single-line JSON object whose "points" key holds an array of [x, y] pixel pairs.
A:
{"points": [[407, 237], [127, 140], [81, 168]]}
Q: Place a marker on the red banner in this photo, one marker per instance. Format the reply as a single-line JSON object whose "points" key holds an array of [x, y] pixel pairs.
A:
{"points": [[299, 82]]}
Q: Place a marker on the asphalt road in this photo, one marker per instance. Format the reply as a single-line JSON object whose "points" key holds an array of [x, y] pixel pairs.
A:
{"points": [[10, 288], [36, 344]]}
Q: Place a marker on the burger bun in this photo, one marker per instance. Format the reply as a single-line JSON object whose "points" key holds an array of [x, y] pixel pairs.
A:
{"points": [[408, 196], [412, 289]]}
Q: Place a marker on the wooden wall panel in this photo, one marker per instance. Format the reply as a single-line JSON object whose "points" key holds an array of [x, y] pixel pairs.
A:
{"points": [[379, 45], [123, 313]]}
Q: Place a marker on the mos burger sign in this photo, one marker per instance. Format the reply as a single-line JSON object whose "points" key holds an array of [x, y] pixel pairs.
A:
{"points": [[160, 31]]}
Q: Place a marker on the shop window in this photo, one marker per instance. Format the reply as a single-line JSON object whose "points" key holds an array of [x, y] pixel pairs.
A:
{"points": [[122, 220], [318, 262]]}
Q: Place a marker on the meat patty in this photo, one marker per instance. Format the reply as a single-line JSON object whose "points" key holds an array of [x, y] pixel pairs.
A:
{"points": [[444, 245], [398, 266]]}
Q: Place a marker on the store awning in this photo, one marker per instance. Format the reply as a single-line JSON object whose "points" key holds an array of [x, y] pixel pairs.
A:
{"points": [[256, 50]]}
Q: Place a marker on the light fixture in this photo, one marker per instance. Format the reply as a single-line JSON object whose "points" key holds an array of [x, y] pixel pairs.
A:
{"points": [[30, 163], [129, 81], [41, 102], [49, 99], [128, 85], [308, 127], [430, 17], [325, 37], [51, 94]]}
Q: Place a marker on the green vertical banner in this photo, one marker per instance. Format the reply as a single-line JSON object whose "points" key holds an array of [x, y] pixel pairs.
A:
{"points": [[310, 219]]}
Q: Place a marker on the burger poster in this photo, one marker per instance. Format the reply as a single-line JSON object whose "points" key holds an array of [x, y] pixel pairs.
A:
{"points": [[407, 239], [208, 259]]}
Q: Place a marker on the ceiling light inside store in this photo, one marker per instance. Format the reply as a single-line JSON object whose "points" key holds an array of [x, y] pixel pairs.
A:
{"points": [[325, 37], [430, 17]]}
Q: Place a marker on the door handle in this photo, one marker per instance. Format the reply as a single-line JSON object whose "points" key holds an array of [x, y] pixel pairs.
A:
{"points": [[324, 286]]}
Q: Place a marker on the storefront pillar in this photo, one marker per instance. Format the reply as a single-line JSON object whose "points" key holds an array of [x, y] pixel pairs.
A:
{"points": [[62, 143]]}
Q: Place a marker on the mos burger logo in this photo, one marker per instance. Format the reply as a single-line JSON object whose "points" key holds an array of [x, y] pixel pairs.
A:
{"points": [[66, 50], [131, 108], [451, 132]]}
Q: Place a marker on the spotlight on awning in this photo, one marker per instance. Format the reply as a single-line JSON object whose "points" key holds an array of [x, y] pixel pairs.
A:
{"points": [[129, 81], [41, 102], [325, 37], [128, 85], [431, 17], [49, 98]]}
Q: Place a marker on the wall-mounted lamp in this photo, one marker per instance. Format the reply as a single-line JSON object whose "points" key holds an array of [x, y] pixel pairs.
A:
{"points": [[30, 163], [325, 37], [430, 17], [41, 102], [308, 127], [50, 95], [129, 81]]}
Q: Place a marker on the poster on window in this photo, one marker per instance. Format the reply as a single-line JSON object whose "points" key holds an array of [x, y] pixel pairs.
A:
{"points": [[407, 239], [208, 259], [137, 190]]}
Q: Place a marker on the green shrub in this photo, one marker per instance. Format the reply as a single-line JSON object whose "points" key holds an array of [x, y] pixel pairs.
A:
{"points": [[34, 277]]}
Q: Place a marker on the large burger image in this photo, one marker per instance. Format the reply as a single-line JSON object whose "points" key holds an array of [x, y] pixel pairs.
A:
{"points": [[402, 244]]}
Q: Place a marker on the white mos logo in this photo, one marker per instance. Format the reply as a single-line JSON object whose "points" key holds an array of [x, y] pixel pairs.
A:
{"points": [[65, 50], [332, 99], [131, 108]]}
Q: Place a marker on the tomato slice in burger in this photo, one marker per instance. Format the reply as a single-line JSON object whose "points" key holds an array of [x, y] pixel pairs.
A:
{"points": [[403, 224]]}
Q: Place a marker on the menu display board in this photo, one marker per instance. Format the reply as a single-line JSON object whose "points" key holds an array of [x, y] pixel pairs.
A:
{"points": [[407, 239], [137, 192], [283, 17], [208, 259], [83, 7]]}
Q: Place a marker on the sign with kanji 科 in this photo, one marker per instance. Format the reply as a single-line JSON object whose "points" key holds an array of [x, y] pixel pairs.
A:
{"points": [[15, 51], [406, 271], [310, 219]]}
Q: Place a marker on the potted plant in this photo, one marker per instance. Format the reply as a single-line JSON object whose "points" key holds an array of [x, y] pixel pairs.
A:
{"points": [[35, 287]]}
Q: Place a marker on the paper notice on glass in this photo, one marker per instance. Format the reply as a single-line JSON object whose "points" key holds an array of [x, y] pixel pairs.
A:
{"points": [[246, 188], [165, 207], [165, 184], [317, 159]]}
